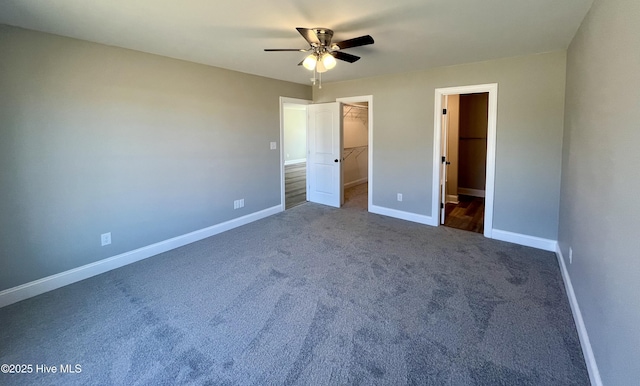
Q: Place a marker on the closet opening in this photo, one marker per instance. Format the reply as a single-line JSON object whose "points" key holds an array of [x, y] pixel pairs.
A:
{"points": [[355, 155]]}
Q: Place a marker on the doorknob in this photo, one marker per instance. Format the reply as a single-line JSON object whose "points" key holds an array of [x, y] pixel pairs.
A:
{"points": [[448, 163], [335, 160]]}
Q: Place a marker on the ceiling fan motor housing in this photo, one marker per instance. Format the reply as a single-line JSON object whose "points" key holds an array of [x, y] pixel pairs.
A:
{"points": [[324, 36]]}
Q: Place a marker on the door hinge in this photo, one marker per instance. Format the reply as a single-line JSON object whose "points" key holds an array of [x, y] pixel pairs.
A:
{"points": [[443, 159], [441, 206], [444, 111]]}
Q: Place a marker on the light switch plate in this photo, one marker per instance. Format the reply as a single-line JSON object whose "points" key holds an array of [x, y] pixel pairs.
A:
{"points": [[273, 146]]}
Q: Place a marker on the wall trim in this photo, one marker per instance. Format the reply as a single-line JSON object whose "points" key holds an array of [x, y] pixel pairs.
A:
{"points": [[526, 240], [452, 199], [587, 351], [49, 283], [471, 192], [419, 218], [295, 161], [356, 182]]}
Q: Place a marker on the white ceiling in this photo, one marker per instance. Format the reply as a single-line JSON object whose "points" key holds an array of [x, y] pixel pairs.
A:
{"points": [[409, 35]]}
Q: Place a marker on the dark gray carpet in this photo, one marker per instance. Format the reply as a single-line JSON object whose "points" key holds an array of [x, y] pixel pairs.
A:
{"points": [[311, 296]]}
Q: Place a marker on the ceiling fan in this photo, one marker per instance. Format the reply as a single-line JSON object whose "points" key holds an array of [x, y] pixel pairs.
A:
{"points": [[323, 52]]}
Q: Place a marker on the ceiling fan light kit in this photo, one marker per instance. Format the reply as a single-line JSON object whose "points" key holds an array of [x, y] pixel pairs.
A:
{"points": [[324, 53], [328, 61], [310, 62]]}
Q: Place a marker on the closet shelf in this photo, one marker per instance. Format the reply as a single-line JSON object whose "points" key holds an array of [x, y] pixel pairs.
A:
{"points": [[356, 112], [350, 150]]}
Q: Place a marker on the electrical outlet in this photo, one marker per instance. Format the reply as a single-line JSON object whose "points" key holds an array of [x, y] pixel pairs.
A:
{"points": [[399, 196], [570, 255], [237, 204], [105, 239]]}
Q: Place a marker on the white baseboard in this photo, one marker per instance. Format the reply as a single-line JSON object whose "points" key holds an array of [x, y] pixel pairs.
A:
{"points": [[295, 161], [49, 283], [587, 351], [356, 182], [526, 240], [452, 199], [419, 218], [471, 192]]}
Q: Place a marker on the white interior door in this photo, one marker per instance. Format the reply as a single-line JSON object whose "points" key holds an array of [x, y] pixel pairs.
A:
{"points": [[325, 153], [444, 149]]}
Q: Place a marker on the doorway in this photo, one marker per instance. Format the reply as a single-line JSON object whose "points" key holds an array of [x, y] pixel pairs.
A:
{"points": [[293, 154], [355, 152], [325, 150], [466, 199], [464, 146]]}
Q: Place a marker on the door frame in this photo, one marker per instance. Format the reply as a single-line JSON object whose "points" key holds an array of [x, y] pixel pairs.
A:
{"points": [[369, 100], [444, 152], [492, 89], [296, 101]]}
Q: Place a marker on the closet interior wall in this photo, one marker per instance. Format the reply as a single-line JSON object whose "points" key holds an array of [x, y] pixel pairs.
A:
{"points": [[356, 136]]}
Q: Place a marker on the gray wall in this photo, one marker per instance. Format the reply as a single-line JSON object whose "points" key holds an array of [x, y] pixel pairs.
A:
{"points": [[600, 214], [529, 136], [97, 139]]}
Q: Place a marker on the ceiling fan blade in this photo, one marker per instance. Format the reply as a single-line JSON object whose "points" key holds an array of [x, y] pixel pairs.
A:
{"points": [[355, 42], [309, 35], [300, 64], [285, 49], [344, 56]]}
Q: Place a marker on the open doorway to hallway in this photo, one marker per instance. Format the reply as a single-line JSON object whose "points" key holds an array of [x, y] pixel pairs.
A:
{"points": [[464, 153], [294, 151], [438, 198]]}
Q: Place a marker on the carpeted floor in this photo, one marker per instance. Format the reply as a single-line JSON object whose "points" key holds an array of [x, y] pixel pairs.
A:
{"points": [[311, 296]]}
